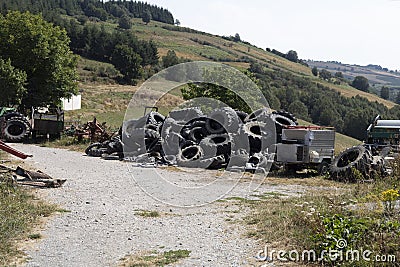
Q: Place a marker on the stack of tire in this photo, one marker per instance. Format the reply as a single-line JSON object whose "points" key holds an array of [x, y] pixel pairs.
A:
{"points": [[142, 136], [14, 127], [224, 138], [356, 163]]}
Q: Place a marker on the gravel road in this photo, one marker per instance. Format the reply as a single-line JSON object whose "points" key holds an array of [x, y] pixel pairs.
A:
{"points": [[103, 225]]}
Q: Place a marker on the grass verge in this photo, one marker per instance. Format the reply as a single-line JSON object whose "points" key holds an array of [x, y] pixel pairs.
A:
{"points": [[361, 218], [155, 259], [67, 142], [19, 211]]}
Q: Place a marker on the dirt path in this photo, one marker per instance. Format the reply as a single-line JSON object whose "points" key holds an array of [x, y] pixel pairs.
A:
{"points": [[103, 225]]}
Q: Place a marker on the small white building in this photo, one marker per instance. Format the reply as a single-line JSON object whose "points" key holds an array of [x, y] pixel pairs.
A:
{"points": [[73, 103]]}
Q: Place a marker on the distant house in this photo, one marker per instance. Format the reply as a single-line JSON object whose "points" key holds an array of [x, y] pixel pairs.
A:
{"points": [[73, 103]]}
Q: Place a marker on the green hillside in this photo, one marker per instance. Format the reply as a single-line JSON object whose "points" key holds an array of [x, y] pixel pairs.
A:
{"points": [[126, 48], [286, 84], [195, 45]]}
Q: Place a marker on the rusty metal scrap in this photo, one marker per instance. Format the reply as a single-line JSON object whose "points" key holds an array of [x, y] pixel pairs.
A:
{"points": [[33, 178]]}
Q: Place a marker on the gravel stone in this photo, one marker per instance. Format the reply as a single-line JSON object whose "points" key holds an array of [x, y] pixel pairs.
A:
{"points": [[102, 226]]}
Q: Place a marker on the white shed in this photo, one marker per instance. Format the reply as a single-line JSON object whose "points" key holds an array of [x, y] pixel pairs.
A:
{"points": [[73, 103]]}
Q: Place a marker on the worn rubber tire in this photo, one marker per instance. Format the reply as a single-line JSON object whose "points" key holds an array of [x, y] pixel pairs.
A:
{"points": [[282, 121], [197, 134], [286, 114], [221, 143], [115, 146], [241, 115], [355, 157], [238, 159], [95, 150], [189, 154], [152, 141], [192, 157], [255, 115], [185, 115], [171, 143], [155, 118], [171, 126], [10, 115], [223, 120], [16, 130], [254, 132]]}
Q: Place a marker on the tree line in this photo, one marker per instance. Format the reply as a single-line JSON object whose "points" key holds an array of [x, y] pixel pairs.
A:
{"points": [[90, 8], [122, 48], [312, 101]]}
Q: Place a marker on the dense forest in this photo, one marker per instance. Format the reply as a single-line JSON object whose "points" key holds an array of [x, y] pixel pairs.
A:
{"points": [[89, 8]]}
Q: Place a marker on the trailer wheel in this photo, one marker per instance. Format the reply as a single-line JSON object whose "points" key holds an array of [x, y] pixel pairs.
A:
{"points": [[16, 129]]}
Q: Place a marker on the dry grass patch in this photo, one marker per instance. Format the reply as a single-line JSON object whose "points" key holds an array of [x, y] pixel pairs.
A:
{"points": [[154, 258], [318, 181], [148, 213]]}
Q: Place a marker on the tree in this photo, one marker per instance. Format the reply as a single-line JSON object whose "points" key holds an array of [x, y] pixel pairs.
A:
{"points": [[299, 109], [125, 22], [12, 83], [292, 56], [177, 22], [360, 83], [127, 62], [236, 38], [324, 74], [339, 75], [239, 99], [170, 59], [314, 71], [42, 51], [385, 93], [146, 16]]}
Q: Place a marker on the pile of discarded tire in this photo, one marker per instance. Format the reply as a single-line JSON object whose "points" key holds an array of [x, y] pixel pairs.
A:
{"points": [[224, 138], [110, 149], [357, 163]]}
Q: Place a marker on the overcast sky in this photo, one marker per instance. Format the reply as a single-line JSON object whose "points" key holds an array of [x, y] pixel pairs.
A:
{"points": [[350, 31]]}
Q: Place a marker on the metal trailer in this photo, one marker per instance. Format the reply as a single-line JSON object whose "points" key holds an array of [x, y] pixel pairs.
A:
{"points": [[306, 147], [50, 122]]}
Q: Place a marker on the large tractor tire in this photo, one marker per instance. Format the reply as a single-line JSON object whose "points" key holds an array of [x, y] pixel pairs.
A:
{"points": [[16, 129], [286, 114], [13, 114], [223, 120], [358, 158]]}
